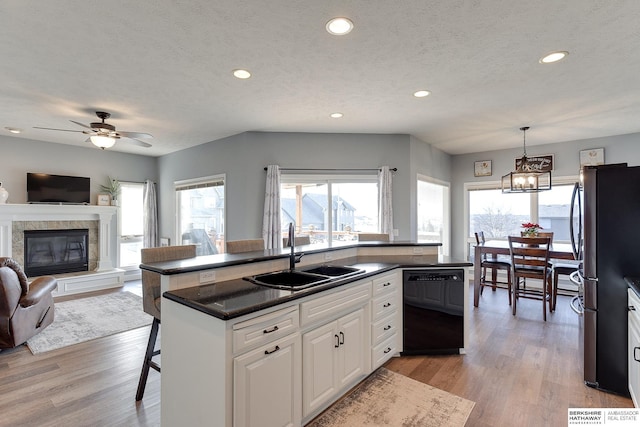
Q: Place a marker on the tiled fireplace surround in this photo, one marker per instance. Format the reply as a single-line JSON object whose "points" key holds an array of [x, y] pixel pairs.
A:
{"points": [[14, 219]]}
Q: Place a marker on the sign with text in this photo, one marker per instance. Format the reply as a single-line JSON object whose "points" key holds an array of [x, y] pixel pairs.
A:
{"points": [[538, 163]]}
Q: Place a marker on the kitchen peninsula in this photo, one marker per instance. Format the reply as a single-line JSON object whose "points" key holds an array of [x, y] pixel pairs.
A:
{"points": [[237, 353]]}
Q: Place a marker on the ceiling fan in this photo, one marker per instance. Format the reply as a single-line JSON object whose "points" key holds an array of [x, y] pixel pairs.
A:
{"points": [[104, 135]]}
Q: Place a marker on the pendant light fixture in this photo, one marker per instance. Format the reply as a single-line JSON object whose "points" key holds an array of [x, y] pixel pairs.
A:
{"points": [[527, 178]]}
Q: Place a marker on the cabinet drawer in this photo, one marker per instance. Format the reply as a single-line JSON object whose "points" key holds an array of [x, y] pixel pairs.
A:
{"points": [[384, 351], [384, 305], [264, 329], [384, 284], [384, 328], [326, 307]]}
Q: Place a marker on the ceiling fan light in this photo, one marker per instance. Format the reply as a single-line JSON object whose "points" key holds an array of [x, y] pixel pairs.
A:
{"points": [[102, 141]]}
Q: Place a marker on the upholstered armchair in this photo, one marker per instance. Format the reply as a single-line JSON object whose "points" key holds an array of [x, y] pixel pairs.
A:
{"points": [[25, 308]]}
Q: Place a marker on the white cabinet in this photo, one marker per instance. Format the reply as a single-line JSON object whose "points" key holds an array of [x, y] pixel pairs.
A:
{"points": [[386, 319], [267, 384], [335, 357], [634, 347], [268, 379]]}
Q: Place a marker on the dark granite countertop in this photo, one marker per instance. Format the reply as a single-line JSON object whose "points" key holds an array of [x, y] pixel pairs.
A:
{"points": [[234, 298], [226, 260]]}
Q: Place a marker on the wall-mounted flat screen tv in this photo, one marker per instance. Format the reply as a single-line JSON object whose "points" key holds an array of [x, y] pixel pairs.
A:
{"points": [[58, 189]]}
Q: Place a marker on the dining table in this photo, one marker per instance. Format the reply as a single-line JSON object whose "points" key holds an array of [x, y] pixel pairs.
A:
{"points": [[501, 247]]}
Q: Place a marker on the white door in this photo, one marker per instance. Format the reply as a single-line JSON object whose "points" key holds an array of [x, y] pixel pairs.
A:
{"points": [[267, 384]]}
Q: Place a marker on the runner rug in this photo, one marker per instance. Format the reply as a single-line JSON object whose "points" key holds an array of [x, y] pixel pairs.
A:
{"points": [[390, 399], [86, 319]]}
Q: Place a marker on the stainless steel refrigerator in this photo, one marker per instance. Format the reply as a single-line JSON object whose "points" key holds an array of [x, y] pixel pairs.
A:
{"points": [[611, 252]]}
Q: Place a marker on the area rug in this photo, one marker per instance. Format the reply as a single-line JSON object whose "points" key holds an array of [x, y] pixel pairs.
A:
{"points": [[86, 319], [390, 399]]}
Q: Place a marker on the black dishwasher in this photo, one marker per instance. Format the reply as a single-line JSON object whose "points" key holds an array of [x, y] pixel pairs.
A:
{"points": [[433, 307]]}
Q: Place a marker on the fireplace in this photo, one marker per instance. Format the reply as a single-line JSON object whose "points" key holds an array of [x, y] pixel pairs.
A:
{"points": [[55, 251]]}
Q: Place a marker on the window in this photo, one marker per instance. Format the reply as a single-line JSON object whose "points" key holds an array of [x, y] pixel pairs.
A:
{"points": [[500, 215], [433, 212], [200, 214], [329, 208], [130, 225]]}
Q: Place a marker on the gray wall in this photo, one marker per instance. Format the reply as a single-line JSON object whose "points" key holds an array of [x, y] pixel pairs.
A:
{"points": [[20, 156], [617, 149], [243, 157]]}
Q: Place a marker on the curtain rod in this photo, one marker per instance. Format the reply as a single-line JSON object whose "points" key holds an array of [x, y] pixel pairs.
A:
{"points": [[345, 170]]}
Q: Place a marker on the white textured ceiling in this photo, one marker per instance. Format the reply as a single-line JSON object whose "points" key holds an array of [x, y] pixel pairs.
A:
{"points": [[164, 67]]}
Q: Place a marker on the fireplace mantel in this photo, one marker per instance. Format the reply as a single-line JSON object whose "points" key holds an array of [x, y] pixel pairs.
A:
{"points": [[45, 212]]}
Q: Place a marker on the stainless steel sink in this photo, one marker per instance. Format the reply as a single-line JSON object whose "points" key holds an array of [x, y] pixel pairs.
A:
{"points": [[288, 279], [334, 271]]}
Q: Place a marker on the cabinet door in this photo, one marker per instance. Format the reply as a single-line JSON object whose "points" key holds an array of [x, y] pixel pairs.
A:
{"points": [[353, 349], [267, 384], [319, 368]]}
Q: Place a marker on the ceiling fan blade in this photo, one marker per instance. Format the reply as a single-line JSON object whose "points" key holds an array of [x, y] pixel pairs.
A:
{"points": [[63, 130], [80, 124], [135, 134], [138, 142]]}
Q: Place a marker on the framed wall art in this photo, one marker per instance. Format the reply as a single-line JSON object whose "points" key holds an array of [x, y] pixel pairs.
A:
{"points": [[592, 157], [482, 168]]}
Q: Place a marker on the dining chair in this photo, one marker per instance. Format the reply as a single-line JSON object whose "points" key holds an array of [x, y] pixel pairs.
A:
{"points": [[373, 237], [494, 264], [530, 260], [247, 245]]}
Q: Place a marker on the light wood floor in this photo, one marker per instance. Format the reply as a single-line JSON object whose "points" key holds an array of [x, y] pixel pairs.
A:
{"points": [[519, 371]]}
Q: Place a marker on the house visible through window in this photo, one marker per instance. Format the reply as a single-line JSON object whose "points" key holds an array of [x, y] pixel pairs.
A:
{"points": [[201, 213], [329, 208]]}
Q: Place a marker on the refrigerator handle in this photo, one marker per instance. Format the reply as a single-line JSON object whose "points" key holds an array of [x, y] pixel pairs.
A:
{"points": [[576, 246]]}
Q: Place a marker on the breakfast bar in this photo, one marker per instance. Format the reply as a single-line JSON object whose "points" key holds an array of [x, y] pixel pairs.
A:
{"points": [[238, 351]]}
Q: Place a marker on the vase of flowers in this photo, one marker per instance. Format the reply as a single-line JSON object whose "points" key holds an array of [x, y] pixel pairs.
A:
{"points": [[530, 229]]}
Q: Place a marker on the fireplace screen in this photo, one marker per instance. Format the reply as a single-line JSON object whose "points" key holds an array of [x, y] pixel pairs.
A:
{"points": [[55, 251]]}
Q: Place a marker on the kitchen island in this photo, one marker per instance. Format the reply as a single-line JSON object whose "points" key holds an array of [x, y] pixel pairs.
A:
{"points": [[235, 353]]}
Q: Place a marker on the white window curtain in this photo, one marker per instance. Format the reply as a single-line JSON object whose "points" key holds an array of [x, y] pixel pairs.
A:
{"points": [[385, 209], [150, 218], [271, 232]]}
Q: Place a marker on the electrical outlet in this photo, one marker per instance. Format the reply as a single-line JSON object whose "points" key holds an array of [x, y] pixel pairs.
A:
{"points": [[207, 276], [418, 250]]}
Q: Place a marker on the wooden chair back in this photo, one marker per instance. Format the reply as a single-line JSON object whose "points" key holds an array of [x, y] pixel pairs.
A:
{"points": [[300, 240], [247, 245], [373, 237], [530, 256], [151, 280]]}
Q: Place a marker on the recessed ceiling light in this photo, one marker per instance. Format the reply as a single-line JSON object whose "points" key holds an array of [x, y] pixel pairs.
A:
{"points": [[13, 130], [339, 26], [421, 93], [336, 115], [241, 74], [553, 57]]}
